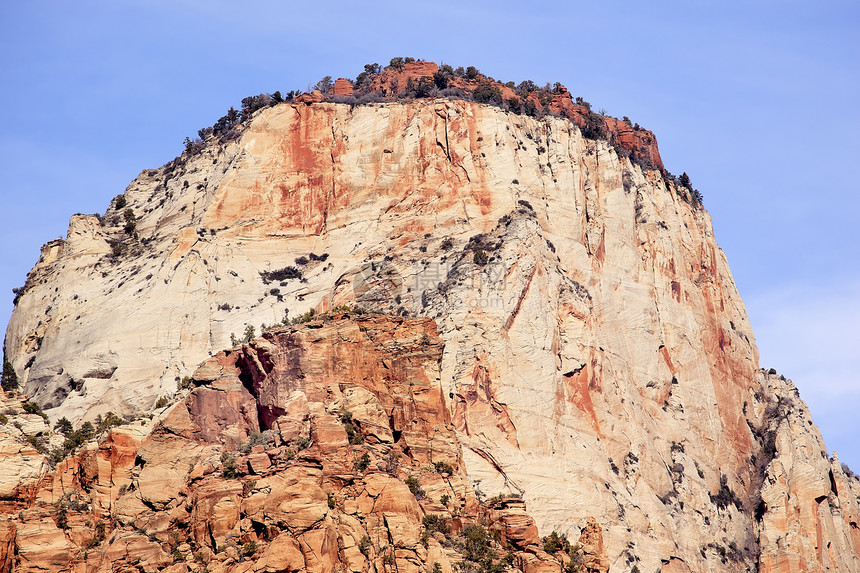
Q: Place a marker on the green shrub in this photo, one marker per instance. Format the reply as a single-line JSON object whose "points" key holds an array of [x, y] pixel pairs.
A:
{"points": [[61, 516], [306, 317], [477, 543], [130, 220], [251, 104], [352, 432], [414, 487], [364, 546], [556, 542], [366, 77], [425, 537], [117, 248], [254, 439], [73, 441], [443, 77], [64, 426], [424, 87], [87, 430], [228, 466], [443, 468], [99, 534], [279, 275], [324, 85], [249, 548], [109, 421], [9, 379], [594, 127], [363, 463], [433, 522], [38, 443], [161, 402], [33, 408], [486, 92]]}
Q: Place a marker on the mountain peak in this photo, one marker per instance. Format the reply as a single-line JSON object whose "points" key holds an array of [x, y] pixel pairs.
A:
{"points": [[471, 316]]}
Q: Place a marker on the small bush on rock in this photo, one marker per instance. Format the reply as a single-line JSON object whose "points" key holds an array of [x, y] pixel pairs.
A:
{"points": [[414, 487], [362, 464], [228, 466]]}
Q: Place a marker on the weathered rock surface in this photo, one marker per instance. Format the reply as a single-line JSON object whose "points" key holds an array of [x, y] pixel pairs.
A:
{"points": [[595, 356], [168, 499], [394, 80], [342, 87]]}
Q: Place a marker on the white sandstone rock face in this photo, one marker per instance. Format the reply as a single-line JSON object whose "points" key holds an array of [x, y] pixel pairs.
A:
{"points": [[808, 497], [598, 357]]}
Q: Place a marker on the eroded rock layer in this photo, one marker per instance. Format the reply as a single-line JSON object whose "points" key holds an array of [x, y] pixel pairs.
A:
{"points": [[596, 358], [327, 447]]}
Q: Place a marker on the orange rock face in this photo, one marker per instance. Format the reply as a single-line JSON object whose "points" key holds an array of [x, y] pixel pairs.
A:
{"points": [[514, 525], [640, 143], [372, 458], [7, 546], [594, 554], [393, 80], [342, 87], [315, 96]]}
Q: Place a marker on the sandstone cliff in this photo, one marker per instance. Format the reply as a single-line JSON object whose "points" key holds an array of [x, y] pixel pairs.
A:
{"points": [[595, 357], [359, 469]]}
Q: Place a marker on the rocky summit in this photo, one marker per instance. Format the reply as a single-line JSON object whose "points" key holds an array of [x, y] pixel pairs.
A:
{"points": [[495, 334]]}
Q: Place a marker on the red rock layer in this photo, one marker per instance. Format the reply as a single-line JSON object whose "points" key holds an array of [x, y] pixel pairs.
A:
{"points": [[342, 87], [358, 470], [394, 80], [641, 144]]}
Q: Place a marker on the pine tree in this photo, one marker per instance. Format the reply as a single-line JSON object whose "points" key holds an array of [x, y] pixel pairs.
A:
{"points": [[9, 378]]}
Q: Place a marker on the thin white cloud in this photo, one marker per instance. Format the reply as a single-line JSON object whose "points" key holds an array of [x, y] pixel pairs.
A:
{"points": [[811, 334]]}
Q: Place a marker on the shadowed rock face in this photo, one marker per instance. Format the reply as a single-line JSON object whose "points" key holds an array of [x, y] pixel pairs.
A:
{"points": [[593, 353]]}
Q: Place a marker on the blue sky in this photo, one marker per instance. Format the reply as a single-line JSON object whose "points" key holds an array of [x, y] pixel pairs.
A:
{"points": [[757, 101]]}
